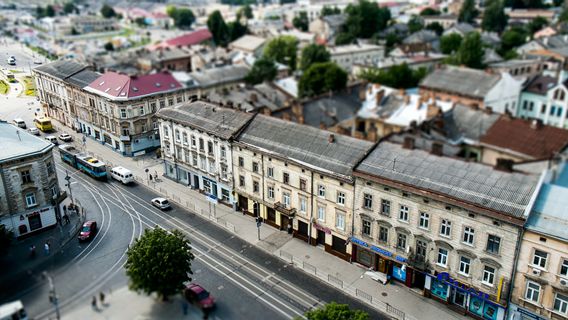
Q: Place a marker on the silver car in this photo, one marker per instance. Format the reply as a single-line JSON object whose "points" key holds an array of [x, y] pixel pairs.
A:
{"points": [[161, 203]]}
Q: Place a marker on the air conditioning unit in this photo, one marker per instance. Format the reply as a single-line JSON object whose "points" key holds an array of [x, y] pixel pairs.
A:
{"points": [[564, 282], [536, 272]]}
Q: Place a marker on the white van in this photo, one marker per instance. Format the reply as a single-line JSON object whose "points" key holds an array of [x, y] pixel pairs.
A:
{"points": [[122, 174], [20, 123]]}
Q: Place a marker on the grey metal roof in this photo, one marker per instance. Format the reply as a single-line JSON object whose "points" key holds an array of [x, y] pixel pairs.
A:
{"points": [[83, 78], [463, 122], [335, 20], [332, 110], [422, 36], [225, 74], [249, 99], [21, 144], [305, 145], [61, 69], [475, 183], [211, 118], [464, 81]]}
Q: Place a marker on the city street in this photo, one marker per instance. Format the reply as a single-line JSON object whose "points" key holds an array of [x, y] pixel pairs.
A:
{"points": [[24, 57], [247, 282]]}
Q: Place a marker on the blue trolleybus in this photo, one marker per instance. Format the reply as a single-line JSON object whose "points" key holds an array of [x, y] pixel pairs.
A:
{"points": [[87, 164]]}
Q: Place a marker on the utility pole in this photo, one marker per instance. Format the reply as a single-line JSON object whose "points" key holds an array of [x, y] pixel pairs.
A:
{"points": [[68, 185], [258, 224], [52, 295]]}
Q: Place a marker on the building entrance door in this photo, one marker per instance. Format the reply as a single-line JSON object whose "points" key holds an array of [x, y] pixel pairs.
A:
{"points": [[321, 238]]}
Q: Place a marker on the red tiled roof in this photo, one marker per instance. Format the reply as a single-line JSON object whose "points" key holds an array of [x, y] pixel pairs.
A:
{"points": [[518, 135], [188, 39], [122, 86]]}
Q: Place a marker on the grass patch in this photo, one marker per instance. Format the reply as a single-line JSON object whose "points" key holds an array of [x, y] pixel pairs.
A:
{"points": [[4, 88], [16, 71], [29, 86]]}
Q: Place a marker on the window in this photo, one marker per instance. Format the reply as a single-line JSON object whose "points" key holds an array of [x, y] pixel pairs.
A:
{"points": [[421, 247], [184, 135], [223, 153], [255, 166], [123, 113], [366, 227], [286, 198], [241, 162], [194, 160], [202, 163], [201, 144], [162, 104], [424, 220], [403, 215], [465, 263], [488, 275], [271, 192], [26, 176], [383, 234], [286, 177], [303, 204], [241, 181], [54, 191], [561, 303], [367, 201], [49, 167], [539, 258], [271, 172], [193, 141], [533, 291], [321, 191], [210, 147], [442, 257], [385, 207], [493, 243], [30, 199], [153, 107], [468, 234], [170, 101], [446, 228], [177, 135], [141, 110], [340, 197], [401, 241], [303, 184], [340, 221], [564, 268], [321, 213], [255, 187]]}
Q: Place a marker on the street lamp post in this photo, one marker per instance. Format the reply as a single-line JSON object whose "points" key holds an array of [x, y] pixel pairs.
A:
{"points": [[52, 295], [68, 185]]}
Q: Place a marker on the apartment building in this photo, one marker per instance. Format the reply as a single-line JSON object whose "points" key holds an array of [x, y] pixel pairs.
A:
{"points": [[348, 55], [29, 187], [439, 224], [541, 279], [298, 178], [196, 141]]}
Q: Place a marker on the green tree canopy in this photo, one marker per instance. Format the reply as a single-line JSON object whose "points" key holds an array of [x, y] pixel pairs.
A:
{"points": [[69, 7], [183, 17], [109, 46], [246, 12], [450, 43], [536, 24], [471, 51], [107, 11], [429, 12], [159, 262], [336, 311], [218, 28], [264, 69], [140, 21], [468, 12], [415, 24], [49, 11], [436, 27], [283, 49], [344, 38], [511, 39], [236, 30], [301, 21], [328, 11], [525, 4], [494, 17], [365, 18], [313, 53], [399, 76], [321, 78]]}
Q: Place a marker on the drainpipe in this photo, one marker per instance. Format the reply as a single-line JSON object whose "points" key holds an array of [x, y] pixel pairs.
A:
{"points": [[263, 189], [352, 218], [520, 233], [312, 207]]}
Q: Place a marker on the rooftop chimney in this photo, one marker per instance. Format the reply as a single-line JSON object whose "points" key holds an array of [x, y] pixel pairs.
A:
{"points": [[488, 110], [505, 165], [536, 124], [408, 143], [322, 125], [253, 97], [437, 148], [331, 138], [379, 96]]}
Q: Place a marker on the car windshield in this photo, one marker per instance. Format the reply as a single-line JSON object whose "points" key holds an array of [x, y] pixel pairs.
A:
{"points": [[203, 295], [164, 201], [86, 229]]}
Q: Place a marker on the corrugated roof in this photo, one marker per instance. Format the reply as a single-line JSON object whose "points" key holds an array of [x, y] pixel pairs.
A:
{"points": [[83, 78], [475, 183], [305, 145], [225, 74], [22, 143], [61, 69], [540, 85], [121, 86], [219, 121], [463, 81], [247, 42], [463, 122]]}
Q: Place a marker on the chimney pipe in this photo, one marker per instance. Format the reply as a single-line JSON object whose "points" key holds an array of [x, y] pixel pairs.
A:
{"points": [[331, 138], [536, 124], [505, 165], [437, 148], [379, 97], [408, 143]]}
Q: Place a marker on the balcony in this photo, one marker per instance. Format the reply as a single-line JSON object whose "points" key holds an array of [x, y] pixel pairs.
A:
{"points": [[282, 208]]}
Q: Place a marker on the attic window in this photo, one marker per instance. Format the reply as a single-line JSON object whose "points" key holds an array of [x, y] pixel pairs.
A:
{"points": [[117, 88], [123, 94], [102, 82], [158, 84], [107, 89], [172, 85], [134, 89]]}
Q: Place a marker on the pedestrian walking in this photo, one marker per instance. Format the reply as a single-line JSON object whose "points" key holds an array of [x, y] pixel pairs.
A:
{"points": [[184, 307], [67, 220], [150, 177], [46, 248], [94, 303], [32, 251], [102, 297]]}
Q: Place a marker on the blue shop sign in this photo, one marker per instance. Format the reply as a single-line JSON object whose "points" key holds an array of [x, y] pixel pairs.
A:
{"points": [[359, 242], [377, 249], [382, 251], [444, 276], [399, 273]]}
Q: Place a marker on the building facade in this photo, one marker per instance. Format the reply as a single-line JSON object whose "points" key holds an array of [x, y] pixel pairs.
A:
{"points": [[196, 142], [348, 55], [29, 188]]}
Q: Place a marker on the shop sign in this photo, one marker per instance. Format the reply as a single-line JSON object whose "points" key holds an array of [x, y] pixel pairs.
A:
{"points": [[357, 241], [37, 212], [529, 314], [327, 230], [399, 273], [444, 276], [374, 248], [382, 251]]}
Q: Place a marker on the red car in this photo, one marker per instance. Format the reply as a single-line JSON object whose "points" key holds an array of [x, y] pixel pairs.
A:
{"points": [[195, 293], [88, 230]]}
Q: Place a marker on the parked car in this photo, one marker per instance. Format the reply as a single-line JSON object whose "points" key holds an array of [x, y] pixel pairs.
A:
{"points": [[196, 294], [11, 61], [88, 230], [65, 137], [34, 131], [161, 203], [37, 61], [52, 139], [20, 123]]}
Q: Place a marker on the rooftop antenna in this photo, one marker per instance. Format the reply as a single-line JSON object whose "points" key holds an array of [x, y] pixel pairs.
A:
{"points": [[18, 133], [393, 164]]}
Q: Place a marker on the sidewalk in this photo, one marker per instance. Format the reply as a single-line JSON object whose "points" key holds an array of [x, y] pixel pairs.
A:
{"points": [[393, 299]]}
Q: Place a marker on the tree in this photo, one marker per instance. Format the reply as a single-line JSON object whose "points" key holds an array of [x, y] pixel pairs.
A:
{"points": [[468, 12], [321, 78], [236, 30], [6, 237], [494, 17], [429, 12], [49, 11], [246, 12], [69, 7], [511, 39], [525, 4], [183, 17], [109, 46], [107, 11], [365, 18], [301, 21], [336, 311], [159, 262], [263, 69], [436, 27], [563, 16], [450, 43], [536, 24], [283, 49], [344, 38], [398, 76], [218, 28], [471, 51], [313, 53], [415, 24], [328, 11], [392, 40], [140, 21], [74, 31]]}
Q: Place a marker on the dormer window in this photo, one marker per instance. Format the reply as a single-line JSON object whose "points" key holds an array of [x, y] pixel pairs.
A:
{"points": [[158, 84], [134, 89], [102, 82]]}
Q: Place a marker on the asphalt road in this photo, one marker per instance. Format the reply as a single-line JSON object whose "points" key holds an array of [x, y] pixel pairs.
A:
{"points": [[247, 282], [10, 47]]}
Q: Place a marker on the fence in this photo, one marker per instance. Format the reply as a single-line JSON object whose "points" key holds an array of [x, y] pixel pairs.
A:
{"points": [[335, 281]]}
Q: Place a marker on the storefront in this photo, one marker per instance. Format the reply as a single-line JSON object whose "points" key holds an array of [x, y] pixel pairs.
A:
{"points": [[518, 313], [473, 302], [301, 232], [381, 260]]}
